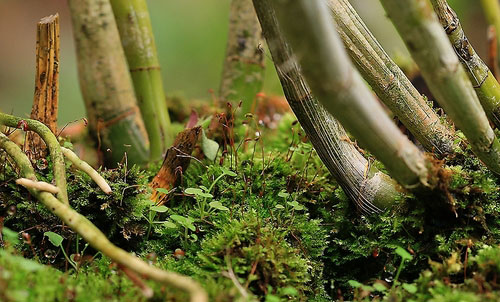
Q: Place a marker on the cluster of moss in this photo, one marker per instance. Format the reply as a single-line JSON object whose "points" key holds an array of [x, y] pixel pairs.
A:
{"points": [[266, 223]]}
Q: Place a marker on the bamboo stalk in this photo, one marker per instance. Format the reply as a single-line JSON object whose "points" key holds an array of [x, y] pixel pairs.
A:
{"points": [[46, 99], [370, 189], [134, 25], [106, 84], [491, 9], [446, 78], [483, 81], [243, 72], [94, 236], [340, 88], [389, 82], [52, 143]]}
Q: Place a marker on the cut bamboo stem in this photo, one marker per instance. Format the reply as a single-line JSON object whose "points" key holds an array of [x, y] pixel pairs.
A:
{"points": [[46, 99], [340, 88], [243, 72], [94, 236], [52, 143], [370, 189], [389, 82], [429, 46], [134, 25], [491, 9], [106, 85], [483, 81]]}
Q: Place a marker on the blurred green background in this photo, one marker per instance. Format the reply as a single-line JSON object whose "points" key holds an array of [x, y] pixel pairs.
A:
{"points": [[191, 41]]}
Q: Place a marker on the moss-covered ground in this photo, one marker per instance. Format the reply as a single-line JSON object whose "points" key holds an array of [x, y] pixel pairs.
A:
{"points": [[263, 222]]}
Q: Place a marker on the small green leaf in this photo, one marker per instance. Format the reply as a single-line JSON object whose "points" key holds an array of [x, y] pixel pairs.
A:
{"points": [[208, 146], [403, 253], [204, 189], [411, 288], [278, 206], [272, 298], [290, 291], [54, 238], [283, 194], [179, 219], [159, 209], [379, 287], [162, 190], [296, 206], [217, 205], [207, 195], [228, 172], [170, 225], [193, 191], [354, 283], [194, 237]]}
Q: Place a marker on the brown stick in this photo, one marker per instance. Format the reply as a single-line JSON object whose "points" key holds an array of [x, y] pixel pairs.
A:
{"points": [[492, 51], [175, 163], [46, 99]]}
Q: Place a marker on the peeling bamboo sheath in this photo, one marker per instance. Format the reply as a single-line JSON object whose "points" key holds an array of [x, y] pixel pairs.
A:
{"points": [[369, 189], [94, 236], [483, 81], [106, 85], [429, 46], [243, 71], [340, 88], [389, 82], [134, 25], [46, 99]]}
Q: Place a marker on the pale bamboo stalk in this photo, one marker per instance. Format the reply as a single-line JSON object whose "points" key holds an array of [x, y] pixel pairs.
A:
{"points": [[340, 88], [106, 85], [483, 81], [244, 64], [370, 189], [389, 82], [491, 9], [429, 46], [46, 99], [94, 236], [52, 143], [134, 25]]}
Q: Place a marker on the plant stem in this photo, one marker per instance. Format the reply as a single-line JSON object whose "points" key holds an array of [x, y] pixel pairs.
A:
{"points": [[54, 148], [243, 72], [134, 25], [491, 9], [483, 81], [340, 88], [370, 189], [94, 236], [46, 99], [389, 82], [106, 84], [429, 46]]}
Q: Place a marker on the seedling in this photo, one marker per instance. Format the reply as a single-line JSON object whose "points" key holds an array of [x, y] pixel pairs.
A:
{"points": [[56, 241]]}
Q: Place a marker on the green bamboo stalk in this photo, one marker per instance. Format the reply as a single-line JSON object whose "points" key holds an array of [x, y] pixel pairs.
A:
{"points": [[483, 81], [370, 189], [244, 64], [105, 82], [51, 141], [491, 9], [429, 46], [340, 88], [134, 25], [94, 236], [389, 82]]}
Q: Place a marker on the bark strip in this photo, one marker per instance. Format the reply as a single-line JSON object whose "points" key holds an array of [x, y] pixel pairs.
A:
{"points": [[114, 118], [46, 99], [340, 88], [428, 44], [370, 189], [389, 82], [243, 72]]}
